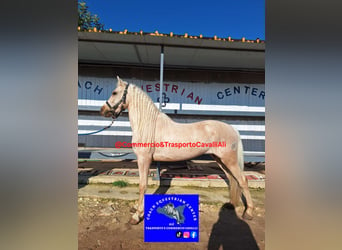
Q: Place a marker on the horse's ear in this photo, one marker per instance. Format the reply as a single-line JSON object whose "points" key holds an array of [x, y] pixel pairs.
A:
{"points": [[120, 82]]}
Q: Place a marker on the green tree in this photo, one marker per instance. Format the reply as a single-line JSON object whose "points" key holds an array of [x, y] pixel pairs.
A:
{"points": [[86, 20]]}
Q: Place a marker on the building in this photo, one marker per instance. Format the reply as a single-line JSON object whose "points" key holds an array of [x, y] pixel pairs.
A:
{"points": [[203, 78]]}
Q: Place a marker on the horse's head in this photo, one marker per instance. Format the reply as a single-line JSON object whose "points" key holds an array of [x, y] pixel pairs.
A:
{"points": [[117, 101]]}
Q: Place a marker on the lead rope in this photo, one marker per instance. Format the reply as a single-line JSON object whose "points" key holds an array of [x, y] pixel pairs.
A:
{"points": [[98, 131]]}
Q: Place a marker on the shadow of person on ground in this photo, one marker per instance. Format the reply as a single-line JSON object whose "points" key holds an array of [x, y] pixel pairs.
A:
{"points": [[230, 232]]}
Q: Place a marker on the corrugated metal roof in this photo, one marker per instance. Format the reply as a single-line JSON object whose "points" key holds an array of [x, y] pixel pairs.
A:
{"points": [[124, 48]]}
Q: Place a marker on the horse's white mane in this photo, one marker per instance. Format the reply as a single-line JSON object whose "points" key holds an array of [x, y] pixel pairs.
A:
{"points": [[143, 115]]}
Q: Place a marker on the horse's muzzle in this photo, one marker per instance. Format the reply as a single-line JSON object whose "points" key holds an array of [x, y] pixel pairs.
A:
{"points": [[109, 112], [105, 111]]}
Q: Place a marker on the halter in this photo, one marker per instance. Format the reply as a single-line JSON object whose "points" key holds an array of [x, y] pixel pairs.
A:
{"points": [[122, 100]]}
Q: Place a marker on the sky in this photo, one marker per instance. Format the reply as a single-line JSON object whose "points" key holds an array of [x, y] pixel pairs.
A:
{"points": [[223, 18]]}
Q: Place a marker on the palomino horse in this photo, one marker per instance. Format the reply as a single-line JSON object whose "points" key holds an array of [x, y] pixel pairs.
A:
{"points": [[149, 125]]}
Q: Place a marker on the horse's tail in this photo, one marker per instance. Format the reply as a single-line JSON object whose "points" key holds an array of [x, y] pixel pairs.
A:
{"points": [[234, 187]]}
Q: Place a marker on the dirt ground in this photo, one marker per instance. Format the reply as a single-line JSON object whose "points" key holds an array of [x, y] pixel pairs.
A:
{"points": [[103, 220]]}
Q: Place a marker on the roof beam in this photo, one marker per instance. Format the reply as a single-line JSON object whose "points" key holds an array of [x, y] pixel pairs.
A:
{"points": [[169, 45]]}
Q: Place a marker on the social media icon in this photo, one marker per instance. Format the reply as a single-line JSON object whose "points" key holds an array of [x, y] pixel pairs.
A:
{"points": [[193, 234], [186, 235], [179, 234]]}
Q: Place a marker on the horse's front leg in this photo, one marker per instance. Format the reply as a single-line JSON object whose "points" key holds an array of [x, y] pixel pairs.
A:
{"points": [[144, 162]]}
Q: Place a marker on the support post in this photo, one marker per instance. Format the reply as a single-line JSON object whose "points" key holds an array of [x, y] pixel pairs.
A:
{"points": [[161, 77], [161, 95]]}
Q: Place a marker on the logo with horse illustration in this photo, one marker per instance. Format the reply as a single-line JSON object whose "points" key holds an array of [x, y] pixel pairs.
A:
{"points": [[169, 217], [173, 212]]}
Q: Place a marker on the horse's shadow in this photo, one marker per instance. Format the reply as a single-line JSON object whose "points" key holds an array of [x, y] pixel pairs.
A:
{"points": [[165, 183], [230, 232]]}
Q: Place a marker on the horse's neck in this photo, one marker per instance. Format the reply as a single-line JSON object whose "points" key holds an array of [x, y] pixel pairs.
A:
{"points": [[135, 115], [132, 115], [164, 119], [140, 122]]}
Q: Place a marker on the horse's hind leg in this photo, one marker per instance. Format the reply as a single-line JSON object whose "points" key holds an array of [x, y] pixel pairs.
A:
{"points": [[234, 198], [232, 166], [144, 163], [242, 180]]}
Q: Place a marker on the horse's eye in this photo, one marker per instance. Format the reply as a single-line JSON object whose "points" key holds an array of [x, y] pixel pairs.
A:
{"points": [[114, 93]]}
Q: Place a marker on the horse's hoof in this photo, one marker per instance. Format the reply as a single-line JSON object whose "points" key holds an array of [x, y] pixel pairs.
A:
{"points": [[248, 214], [133, 221], [136, 219]]}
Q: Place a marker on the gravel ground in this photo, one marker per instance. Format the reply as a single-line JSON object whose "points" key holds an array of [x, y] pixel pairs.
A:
{"points": [[104, 212]]}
